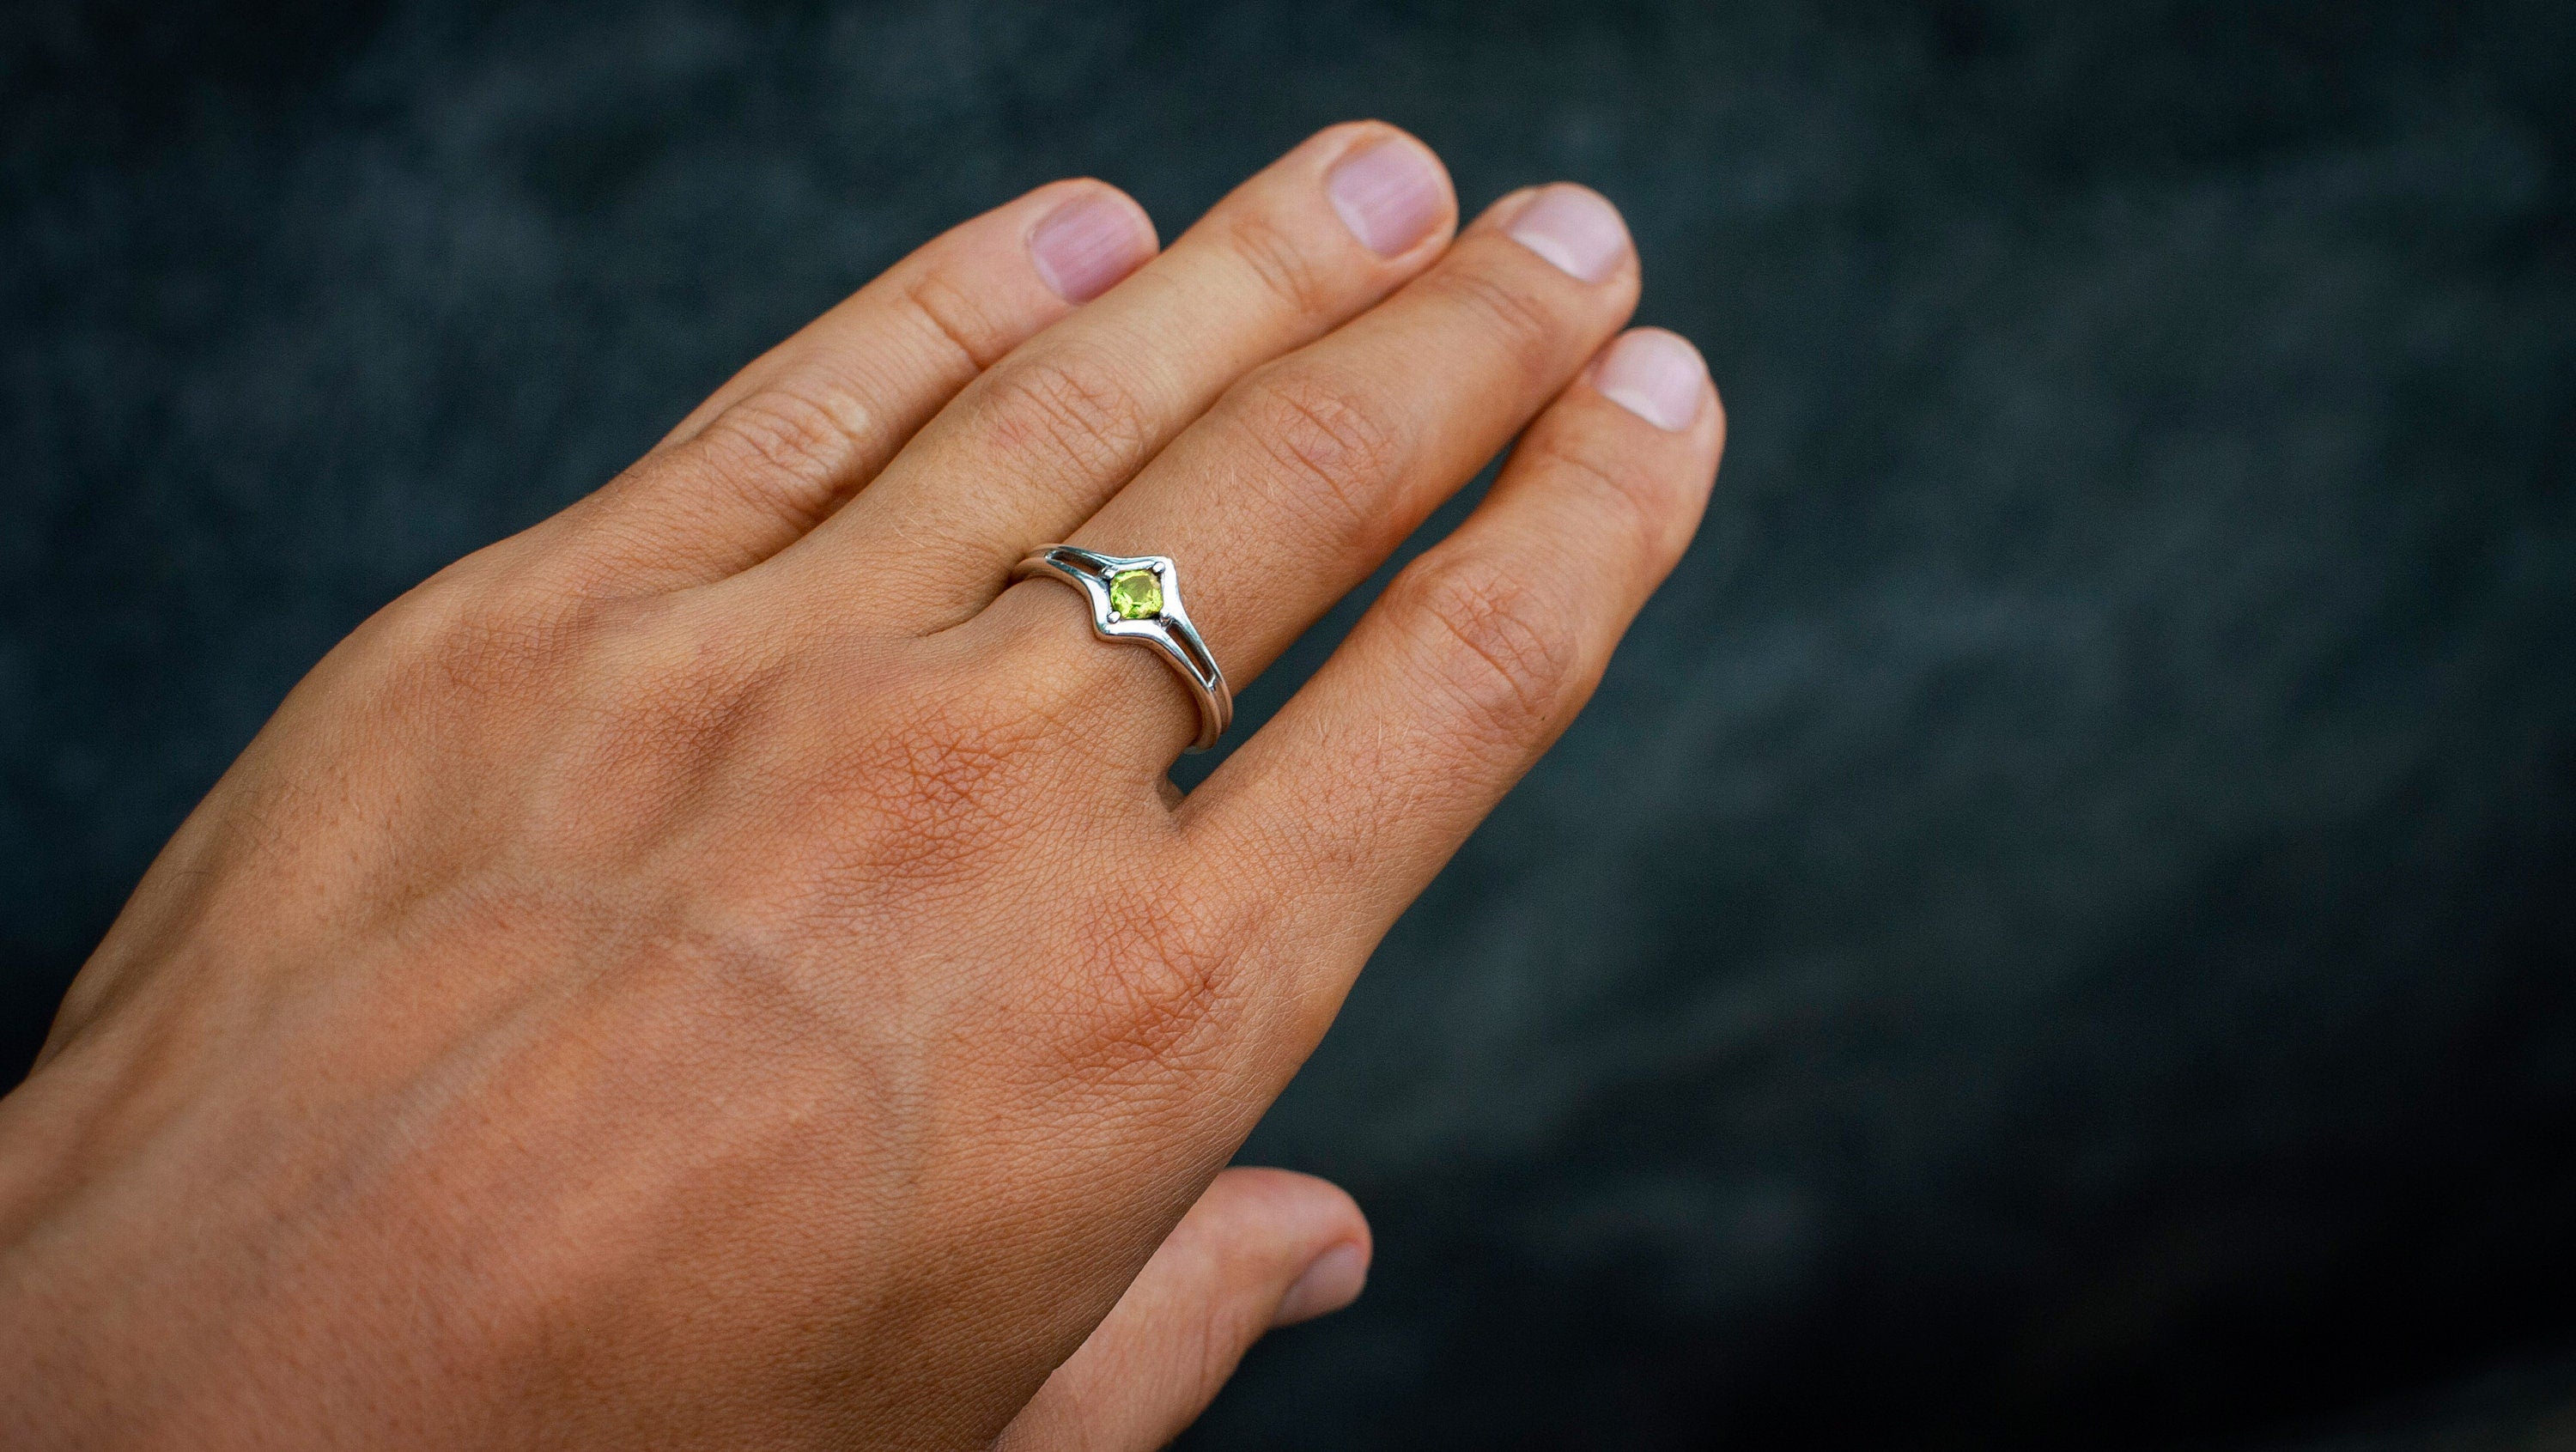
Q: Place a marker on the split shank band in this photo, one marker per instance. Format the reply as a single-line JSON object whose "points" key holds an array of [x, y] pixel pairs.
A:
{"points": [[1136, 600]]}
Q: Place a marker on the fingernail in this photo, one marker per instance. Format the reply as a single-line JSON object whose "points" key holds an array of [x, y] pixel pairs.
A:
{"points": [[1389, 195], [1085, 246], [1330, 1283], [1655, 376], [1574, 229]]}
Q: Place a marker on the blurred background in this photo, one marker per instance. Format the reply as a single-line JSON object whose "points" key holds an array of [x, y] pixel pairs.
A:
{"points": [[2058, 931]]}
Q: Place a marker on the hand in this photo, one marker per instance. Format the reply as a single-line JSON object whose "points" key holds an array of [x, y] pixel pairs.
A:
{"points": [[726, 968]]}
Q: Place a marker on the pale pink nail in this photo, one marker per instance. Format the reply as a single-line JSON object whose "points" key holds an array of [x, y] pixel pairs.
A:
{"points": [[1085, 246], [1331, 1282], [1389, 195], [1655, 376], [1574, 229]]}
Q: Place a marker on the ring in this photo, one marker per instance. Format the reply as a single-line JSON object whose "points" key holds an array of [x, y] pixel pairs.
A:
{"points": [[1137, 599]]}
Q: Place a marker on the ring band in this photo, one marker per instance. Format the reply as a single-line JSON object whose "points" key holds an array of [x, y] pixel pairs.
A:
{"points": [[1137, 599]]}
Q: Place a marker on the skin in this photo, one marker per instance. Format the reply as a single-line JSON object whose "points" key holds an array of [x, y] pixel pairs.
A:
{"points": [[674, 980]]}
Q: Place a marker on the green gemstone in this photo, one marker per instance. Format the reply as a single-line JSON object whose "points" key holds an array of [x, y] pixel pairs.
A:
{"points": [[1136, 595]]}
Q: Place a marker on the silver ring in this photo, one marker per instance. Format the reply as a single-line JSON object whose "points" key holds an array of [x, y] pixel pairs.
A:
{"points": [[1137, 599]]}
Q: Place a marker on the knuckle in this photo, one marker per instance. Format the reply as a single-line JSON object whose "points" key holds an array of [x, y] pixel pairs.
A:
{"points": [[783, 436], [1513, 321], [1620, 490], [1285, 269], [1067, 404], [1216, 1347], [469, 657], [1328, 436], [1509, 660], [475, 643]]}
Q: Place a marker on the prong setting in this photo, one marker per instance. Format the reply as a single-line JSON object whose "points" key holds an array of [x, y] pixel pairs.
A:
{"points": [[1158, 620]]}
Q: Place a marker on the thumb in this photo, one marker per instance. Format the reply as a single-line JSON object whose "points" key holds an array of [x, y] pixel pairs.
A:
{"points": [[1261, 1248]]}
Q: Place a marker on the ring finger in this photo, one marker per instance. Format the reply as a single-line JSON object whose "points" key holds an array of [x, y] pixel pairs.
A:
{"points": [[1314, 467]]}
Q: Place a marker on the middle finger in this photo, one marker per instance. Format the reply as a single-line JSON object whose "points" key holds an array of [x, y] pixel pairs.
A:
{"points": [[1030, 449]]}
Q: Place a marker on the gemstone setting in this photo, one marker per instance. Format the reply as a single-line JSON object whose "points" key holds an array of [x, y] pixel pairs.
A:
{"points": [[1136, 595]]}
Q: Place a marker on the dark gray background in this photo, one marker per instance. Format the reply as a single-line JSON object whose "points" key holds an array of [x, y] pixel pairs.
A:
{"points": [[2058, 928]]}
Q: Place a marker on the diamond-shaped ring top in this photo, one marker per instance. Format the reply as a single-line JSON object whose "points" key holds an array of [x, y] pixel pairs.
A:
{"points": [[1136, 595], [1137, 600]]}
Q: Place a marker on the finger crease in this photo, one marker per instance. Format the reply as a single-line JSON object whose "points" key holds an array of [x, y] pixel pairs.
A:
{"points": [[937, 316]]}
